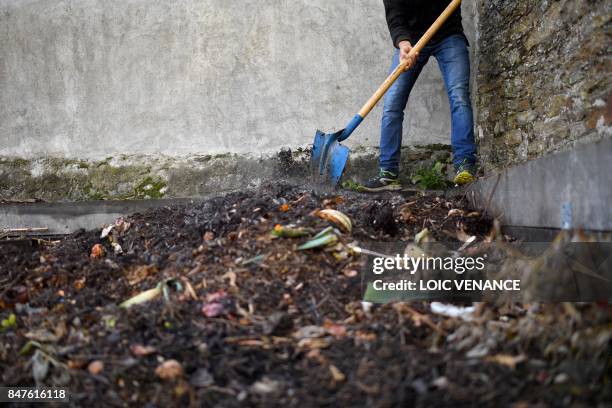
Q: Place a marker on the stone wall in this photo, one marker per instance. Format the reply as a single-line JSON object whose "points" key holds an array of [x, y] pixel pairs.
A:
{"points": [[543, 77]]}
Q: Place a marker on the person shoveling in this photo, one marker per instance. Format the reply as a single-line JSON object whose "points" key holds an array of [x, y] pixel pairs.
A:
{"points": [[438, 25]]}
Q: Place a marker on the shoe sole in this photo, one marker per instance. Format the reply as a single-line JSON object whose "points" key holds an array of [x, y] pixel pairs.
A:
{"points": [[391, 187], [463, 178]]}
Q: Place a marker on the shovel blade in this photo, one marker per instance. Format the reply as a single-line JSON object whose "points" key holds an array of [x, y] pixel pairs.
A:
{"points": [[329, 158], [338, 156], [317, 151]]}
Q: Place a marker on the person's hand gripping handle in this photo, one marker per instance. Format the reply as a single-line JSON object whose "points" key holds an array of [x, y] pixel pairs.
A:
{"points": [[408, 55]]}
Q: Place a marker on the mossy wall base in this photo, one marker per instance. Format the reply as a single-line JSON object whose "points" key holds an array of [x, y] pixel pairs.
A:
{"points": [[150, 177]]}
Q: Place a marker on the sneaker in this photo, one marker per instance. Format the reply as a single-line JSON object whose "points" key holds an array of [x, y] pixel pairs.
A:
{"points": [[385, 181], [465, 173]]}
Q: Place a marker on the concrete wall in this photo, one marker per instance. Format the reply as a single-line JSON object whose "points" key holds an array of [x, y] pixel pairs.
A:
{"points": [[571, 189], [544, 82], [89, 79]]}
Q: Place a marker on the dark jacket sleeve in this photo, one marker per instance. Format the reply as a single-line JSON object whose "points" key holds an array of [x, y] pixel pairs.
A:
{"points": [[397, 20]]}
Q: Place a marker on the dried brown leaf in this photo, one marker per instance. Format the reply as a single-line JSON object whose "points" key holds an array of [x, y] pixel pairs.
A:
{"points": [[95, 367], [139, 273], [455, 212], [337, 375], [97, 251], [140, 351], [507, 360], [169, 370], [336, 330], [316, 343]]}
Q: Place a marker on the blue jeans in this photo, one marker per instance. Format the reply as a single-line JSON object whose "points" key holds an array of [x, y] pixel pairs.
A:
{"points": [[454, 61]]}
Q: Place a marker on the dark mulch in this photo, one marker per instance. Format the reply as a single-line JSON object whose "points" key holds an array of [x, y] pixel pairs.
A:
{"points": [[253, 349]]}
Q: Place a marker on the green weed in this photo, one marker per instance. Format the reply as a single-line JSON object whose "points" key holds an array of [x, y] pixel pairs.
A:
{"points": [[431, 179], [351, 185]]}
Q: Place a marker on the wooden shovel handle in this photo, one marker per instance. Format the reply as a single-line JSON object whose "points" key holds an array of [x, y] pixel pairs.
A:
{"points": [[367, 108]]}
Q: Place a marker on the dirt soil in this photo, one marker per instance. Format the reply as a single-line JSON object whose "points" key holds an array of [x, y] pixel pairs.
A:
{"points": [[285, 329]]}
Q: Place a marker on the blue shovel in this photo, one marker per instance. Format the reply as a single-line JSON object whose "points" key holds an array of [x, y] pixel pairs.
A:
{"points": [[329, 157]]}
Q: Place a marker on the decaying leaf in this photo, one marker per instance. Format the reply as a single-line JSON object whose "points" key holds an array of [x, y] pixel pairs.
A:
{"points": [[231, 277], [265, 386], [45, 336], [9, 297], [308, 332], [406, 214], [315, 343], [417, 318], [423, 236], [140, 351], [95, 367], [121, 225], [336, 330], [455, 212], [255, 260], [137, 274], [337, 375], [117, 248], [461, 234], [79, 283], [364, 337], [507, 360], [169, 370], [97, 251], [331, 202], [321, 240], [106, 231]]}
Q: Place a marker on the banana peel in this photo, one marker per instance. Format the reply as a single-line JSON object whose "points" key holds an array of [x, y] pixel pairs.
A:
{"points": [[142, 297], [148, 295], [338, 218]]}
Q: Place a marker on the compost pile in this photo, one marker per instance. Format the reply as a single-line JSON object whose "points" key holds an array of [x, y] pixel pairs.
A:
{"points": [[223, 309]]}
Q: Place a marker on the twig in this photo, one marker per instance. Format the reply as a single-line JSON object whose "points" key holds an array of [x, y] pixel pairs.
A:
{"points": [[333, 302], [418, 318], [21, 230], [11, 231]]}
